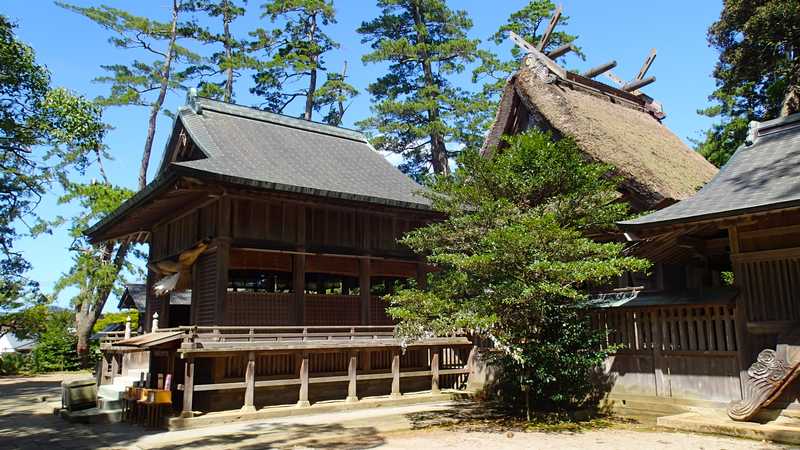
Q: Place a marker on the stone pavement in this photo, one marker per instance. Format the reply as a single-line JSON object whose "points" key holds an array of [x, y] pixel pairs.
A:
{"points": [[27, 422]]}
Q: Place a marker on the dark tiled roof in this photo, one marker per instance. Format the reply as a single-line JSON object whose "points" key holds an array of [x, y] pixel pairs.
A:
{"points": [[135, 296], [760, 176], [268, 150]]}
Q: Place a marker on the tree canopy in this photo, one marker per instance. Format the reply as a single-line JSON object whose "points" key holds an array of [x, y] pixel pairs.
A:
{"points": [[513, 261], [418, 111], [758, 72], [45, 132]]}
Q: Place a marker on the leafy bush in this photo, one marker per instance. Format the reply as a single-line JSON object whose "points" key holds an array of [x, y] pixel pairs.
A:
{"points": [[56, 348], [513, 264], [117, 317], [14, 363]]}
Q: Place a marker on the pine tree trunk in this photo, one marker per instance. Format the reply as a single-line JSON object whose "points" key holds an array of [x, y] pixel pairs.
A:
{"points": [[226, 21], [312, 81], [162, 93], [791, 102], [438, 148]]}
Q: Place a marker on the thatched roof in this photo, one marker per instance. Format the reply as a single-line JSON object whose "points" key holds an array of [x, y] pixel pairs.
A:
{"points": [[657, 167], [761, 176]]}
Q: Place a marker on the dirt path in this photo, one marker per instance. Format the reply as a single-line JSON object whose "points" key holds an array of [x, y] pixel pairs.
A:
{"points": [[27, 422]]}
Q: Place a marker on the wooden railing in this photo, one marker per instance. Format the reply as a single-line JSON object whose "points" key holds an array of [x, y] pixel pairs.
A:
{"points": [[296, 356], [110, 337]]}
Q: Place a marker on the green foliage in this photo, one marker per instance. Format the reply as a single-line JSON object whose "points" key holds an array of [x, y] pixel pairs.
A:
{"points": [[530, 23], [117, 317], [297, 56], [56, 349], [45, 132], [758, 72], [234, 55], [513, 262], [417, 110], [138, 82], [14, 363]]}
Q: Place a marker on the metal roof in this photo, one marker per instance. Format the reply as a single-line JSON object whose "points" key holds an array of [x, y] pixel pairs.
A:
{"points": [[135, 296], [762, 175], [272, 151], [635, 299]]}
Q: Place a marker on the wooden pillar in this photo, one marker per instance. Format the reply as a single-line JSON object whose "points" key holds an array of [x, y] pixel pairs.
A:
{"points": [[364, 272], [299, 286], [657, 323], [395, 374], [223, 243], [352, 393], [188, 388], [435, 351], [302, 401], [250, 383], [740, 316], [472, 366]]}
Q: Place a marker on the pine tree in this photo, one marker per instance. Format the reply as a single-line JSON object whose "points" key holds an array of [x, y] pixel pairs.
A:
{"points": [[297, 56], [758, 72], [143, 83], [418, 111], [96, 268], [235, 54]]}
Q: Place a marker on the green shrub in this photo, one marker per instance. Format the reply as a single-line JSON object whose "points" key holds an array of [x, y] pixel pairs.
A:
{"points": [[56, 349], [14, 363], [117, 317]]}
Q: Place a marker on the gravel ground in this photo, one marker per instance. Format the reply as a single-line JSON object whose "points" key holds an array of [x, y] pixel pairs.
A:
{"points": [[595, 439], [27, 422]]}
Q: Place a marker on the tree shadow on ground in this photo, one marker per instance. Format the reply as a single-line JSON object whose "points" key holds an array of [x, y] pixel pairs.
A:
{"points": [[267, 435]]}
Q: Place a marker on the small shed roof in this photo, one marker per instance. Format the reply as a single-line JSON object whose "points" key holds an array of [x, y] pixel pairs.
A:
{"points": [[760, 176], [653, 162], [135, 296]]}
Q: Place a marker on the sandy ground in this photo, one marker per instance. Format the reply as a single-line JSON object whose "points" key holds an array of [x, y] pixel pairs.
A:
{"points": [[27, 422]]}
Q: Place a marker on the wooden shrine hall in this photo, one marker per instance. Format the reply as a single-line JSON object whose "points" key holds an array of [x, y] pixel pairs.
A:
{"points": [[283, 233]]}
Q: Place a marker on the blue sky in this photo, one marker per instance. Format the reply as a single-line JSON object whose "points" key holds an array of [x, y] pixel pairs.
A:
{"points": [[73, 48]]}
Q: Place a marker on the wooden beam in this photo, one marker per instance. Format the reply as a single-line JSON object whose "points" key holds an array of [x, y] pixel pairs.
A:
{"points": [[602, 68], [560, 51], [647, 63], [541, 57], [550, 27], [638, 84]]}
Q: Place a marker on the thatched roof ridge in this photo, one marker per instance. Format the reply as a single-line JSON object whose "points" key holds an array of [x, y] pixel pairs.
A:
{"points": [[656, 166]]}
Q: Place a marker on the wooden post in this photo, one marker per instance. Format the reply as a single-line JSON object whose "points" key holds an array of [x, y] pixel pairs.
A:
{"points": [[302, 401], [352, 394], [395, 374], [188, 388], [435, 369], [364, 272], [299, 286], [114, 366], [472, 367], [128, 327], [223, 241], [422, 275], [250, 383], [657, 323], [740, 316]]}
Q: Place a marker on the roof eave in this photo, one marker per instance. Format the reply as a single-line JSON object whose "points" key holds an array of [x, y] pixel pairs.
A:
{"points": [[152, 188], [280, 187]]}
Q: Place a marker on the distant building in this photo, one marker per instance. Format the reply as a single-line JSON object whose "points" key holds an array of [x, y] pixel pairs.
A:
{"points": [[10, 343]]}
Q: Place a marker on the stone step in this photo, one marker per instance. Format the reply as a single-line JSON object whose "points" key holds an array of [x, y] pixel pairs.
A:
{"points": [[92, 415], [108, 404], [111, 391], [782, 430]]}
